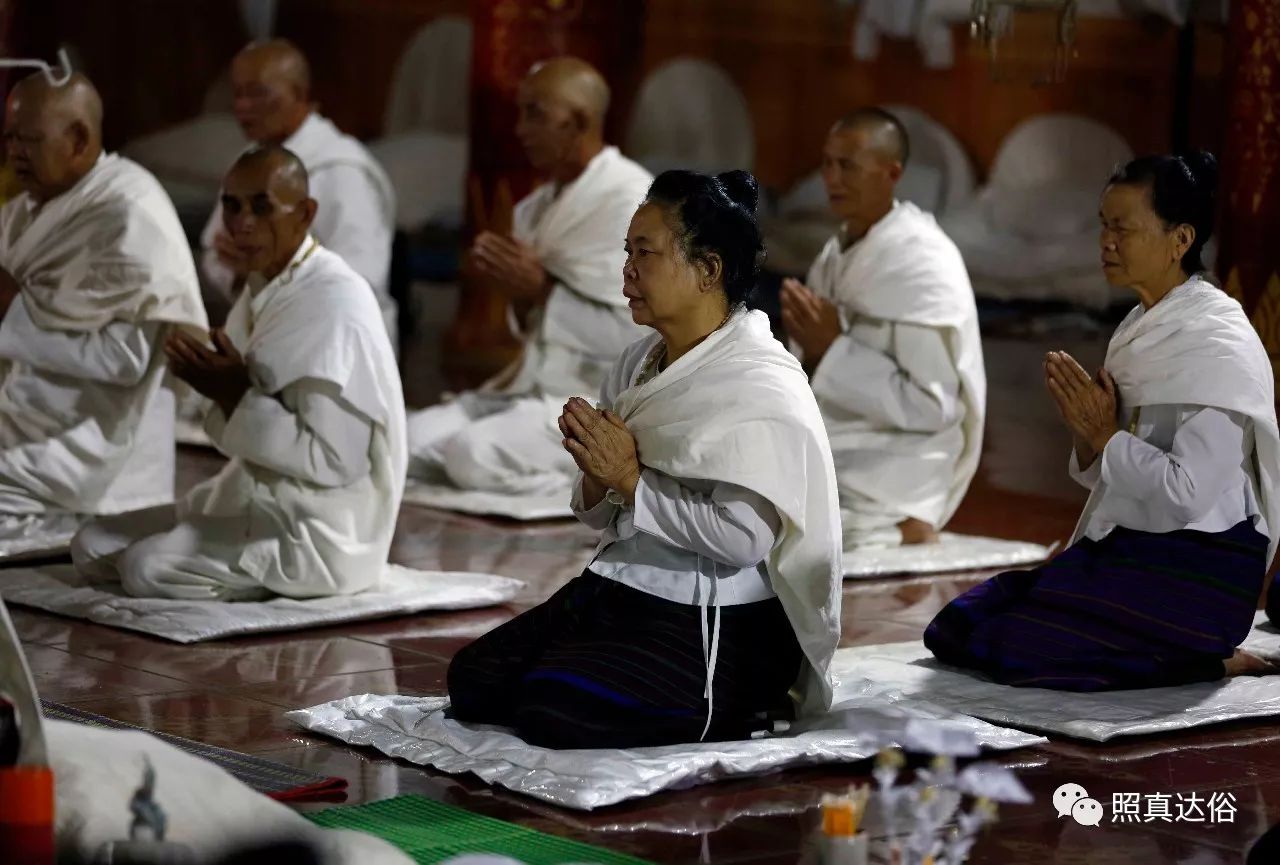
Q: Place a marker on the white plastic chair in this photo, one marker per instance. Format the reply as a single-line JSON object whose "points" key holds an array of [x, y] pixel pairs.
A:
{"points": [[690, 114], [1031, 233], [430, 87]]}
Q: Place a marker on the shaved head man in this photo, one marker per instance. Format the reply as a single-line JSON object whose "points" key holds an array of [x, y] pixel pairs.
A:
{"points": [[307, 505], [53, 134], [560, 270], [562, 105], [887, 327], [355, 202], [271, 90], [94, 270]]}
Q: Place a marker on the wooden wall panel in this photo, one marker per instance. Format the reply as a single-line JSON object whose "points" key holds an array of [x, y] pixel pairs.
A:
{"points": [[794, 63], [353, 46]]}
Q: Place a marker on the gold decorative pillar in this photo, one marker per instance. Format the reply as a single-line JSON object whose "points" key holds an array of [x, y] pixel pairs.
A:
{"points": [[1249, 233], [509, 36]]}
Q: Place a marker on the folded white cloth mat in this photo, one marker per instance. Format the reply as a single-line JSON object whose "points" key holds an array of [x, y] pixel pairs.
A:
{"points": [[951, 553], [212, 813], [415, 729], [61, 589], [525, 508], [904, 674], [27, 537], [191, 433]]}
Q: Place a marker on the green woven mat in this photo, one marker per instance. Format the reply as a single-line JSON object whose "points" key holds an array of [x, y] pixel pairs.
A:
{"points": [[429, 832]]}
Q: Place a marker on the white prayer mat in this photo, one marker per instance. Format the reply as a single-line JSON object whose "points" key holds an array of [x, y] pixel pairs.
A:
{"points": [[904, 674], [951, 553], [191, 433], [415, 729], [61, 589], [24, 538], [524, 508]]}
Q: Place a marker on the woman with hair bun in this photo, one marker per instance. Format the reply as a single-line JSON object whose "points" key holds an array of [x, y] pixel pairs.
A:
{"points": [[714, 593], [1176, 437]]}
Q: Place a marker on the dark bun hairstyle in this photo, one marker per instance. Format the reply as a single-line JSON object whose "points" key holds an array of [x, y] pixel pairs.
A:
{"points": [[1183, 192], [715, 215]]}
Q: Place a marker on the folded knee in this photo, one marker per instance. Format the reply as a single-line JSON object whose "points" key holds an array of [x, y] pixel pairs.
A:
{"points": [[469, 460]]}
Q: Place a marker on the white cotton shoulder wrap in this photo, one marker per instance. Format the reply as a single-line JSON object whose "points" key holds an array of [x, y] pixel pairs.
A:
{"points": [[738, 409], [1197, 347], [109, 249]]}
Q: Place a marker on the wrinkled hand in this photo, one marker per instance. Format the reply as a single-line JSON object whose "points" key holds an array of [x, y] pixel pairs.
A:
{"points": [[219, 373], [602, 446], [1086, 405], [228, 254], [812, 321], [511, 266], [9, 291]]}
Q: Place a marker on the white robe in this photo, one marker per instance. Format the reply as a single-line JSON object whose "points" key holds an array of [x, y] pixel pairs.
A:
{"points": [[355, 218], [1196, 347], [297, 512], [85, 426], [738, 409], [903, 389], [504, 438]]}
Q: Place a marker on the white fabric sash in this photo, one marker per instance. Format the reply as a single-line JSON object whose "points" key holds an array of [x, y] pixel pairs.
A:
{"points": [[578, 234], [320, 145], [1197, 347], [907, 270], [738, 409], [109, 249]]}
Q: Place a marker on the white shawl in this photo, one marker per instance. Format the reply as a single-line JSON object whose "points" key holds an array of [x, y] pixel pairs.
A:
{"points": [[1197, 347], [578, 234], [317, 322], [109, 249], [738, 409], [906, 270]]}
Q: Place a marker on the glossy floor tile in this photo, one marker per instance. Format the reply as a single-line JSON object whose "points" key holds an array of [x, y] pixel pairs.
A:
{"points": [[232, 693]]}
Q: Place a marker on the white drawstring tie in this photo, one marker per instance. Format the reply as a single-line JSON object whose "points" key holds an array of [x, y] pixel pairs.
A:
{"points": [[711, 646]]}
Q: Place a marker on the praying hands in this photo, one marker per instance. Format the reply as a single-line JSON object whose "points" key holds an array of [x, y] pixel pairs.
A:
{"points": [[513, 267], [1087, 406], [219, 373], [812, 321], [603, 448]]}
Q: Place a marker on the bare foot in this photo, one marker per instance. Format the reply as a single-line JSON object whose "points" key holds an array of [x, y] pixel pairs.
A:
{"points": [[1244, 663], [917, 532]]}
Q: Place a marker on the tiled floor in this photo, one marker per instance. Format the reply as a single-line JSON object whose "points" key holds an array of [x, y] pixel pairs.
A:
{"points": [[232, 693]]}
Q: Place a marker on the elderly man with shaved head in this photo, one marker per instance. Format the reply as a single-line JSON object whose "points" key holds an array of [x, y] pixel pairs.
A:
{"points": [[561, 271], [93, 272], [271, 89], [306, 403], [888, 330]]}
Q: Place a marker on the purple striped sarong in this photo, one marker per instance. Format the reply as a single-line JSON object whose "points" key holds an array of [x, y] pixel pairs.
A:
{"points": [[1134, 610], [602, 665]]}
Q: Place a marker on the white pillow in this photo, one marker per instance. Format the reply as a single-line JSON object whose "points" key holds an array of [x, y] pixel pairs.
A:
{"points": [[96, 772], [1043, 213]]}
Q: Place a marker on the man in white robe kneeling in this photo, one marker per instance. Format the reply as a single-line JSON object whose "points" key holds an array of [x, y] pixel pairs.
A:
{"points": [[94, 269], [888, 330], [306, 403], [562, 274]]}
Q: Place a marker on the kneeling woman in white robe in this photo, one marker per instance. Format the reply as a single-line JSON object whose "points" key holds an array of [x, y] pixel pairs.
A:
{"points": [[312, 418], [1176, 437], [714, 591]]}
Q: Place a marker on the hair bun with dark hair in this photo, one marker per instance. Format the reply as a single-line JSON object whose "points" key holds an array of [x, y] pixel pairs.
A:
{"points": [[1203, 166], [741, 187]]}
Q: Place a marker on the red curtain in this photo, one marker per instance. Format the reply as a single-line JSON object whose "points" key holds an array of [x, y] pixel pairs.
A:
{"points": [[1249, 244]]}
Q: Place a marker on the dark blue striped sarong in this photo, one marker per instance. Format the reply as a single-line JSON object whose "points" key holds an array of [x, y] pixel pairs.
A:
{"points": [[1134, 610], [602, 665]]}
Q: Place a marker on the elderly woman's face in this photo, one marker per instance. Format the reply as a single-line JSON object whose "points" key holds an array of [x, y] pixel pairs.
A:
{"points": [[659, 282], [1137, 248]]}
